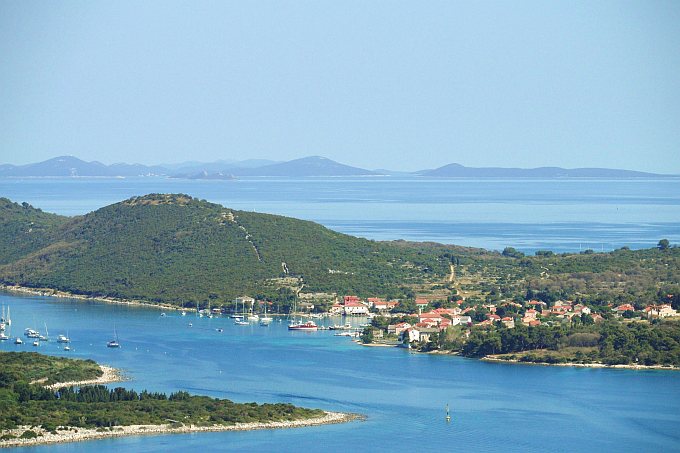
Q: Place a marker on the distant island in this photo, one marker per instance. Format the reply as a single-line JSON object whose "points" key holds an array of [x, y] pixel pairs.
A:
{"points": [[38, 406], [312, 166], [459, 171]]}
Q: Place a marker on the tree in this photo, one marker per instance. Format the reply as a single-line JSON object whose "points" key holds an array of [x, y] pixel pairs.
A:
{"points": [[663, 244], [512, 252], [367, 335]]}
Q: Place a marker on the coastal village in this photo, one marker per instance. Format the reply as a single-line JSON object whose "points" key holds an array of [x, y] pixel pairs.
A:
{"points": [[429, 320]]}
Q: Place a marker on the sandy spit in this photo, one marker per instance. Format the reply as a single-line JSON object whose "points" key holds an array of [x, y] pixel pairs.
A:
{"points": [[83, 434], [109, 375]]}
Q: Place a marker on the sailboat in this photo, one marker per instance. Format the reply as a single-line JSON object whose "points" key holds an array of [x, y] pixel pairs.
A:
{"points": [[308, 326], [45, 337], [242, 320], [265, 320], [252, 316], [5, 320], [113, 343], [448, 417]]}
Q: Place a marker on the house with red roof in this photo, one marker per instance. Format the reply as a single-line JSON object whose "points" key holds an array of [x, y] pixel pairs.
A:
{"points": [[336, 309], [418, 333], [660, 311], [508, 322], [355, 308], [397, 329], [351, 299], [431, 316], [537, 304], [621, 309], [422, 303]]}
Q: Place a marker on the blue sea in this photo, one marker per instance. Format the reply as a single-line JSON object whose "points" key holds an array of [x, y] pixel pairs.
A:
{"points": [[563, 215], [495, 407]]}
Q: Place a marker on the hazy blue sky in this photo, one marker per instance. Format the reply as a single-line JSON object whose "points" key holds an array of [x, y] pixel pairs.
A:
{"points": [[403, 85]]}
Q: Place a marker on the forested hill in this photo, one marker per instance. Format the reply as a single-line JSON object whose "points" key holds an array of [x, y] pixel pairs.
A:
{"points": [[25, 229], [180, 250], [177, 249]]}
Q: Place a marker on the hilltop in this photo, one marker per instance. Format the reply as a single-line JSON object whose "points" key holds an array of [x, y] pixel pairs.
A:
{"points": [[178, 249]]}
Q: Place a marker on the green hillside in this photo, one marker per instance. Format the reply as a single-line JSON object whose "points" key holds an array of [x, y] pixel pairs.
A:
{"points": [[180, 250], [177, 249], [24, 229]]}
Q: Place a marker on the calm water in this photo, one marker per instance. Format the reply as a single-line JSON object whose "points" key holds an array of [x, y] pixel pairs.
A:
{"points": [[495, 407], [561, 215]]}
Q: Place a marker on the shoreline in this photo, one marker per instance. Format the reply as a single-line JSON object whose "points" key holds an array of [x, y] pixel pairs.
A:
{"points": [[109, 375], [85, 434], [50, 292], [131, 302], [582, 365]]}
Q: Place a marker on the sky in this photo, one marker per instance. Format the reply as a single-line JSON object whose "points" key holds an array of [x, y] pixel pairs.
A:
{"points": [[382, 84]]}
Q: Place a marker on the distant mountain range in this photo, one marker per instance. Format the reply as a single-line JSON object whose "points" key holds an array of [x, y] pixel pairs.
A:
{"points": [[314, 166], [72, 166]]}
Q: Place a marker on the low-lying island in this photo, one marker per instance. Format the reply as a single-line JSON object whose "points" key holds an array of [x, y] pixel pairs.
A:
{"points": [[45, 400]]}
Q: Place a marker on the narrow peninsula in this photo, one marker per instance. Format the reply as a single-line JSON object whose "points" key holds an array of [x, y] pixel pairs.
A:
{"points": [[36, 409]]}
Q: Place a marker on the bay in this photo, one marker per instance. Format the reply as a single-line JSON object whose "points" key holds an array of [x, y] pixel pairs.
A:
{"points": [[563, 215], [495, 407]]}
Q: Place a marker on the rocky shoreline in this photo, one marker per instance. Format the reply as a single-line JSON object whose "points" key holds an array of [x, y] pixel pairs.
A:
{"points": [[583, 365], [70, 434], [66, 295]]}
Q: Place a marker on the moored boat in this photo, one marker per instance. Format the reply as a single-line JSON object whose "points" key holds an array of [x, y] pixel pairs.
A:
{"points": [[309, 326], [113, 343]]}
